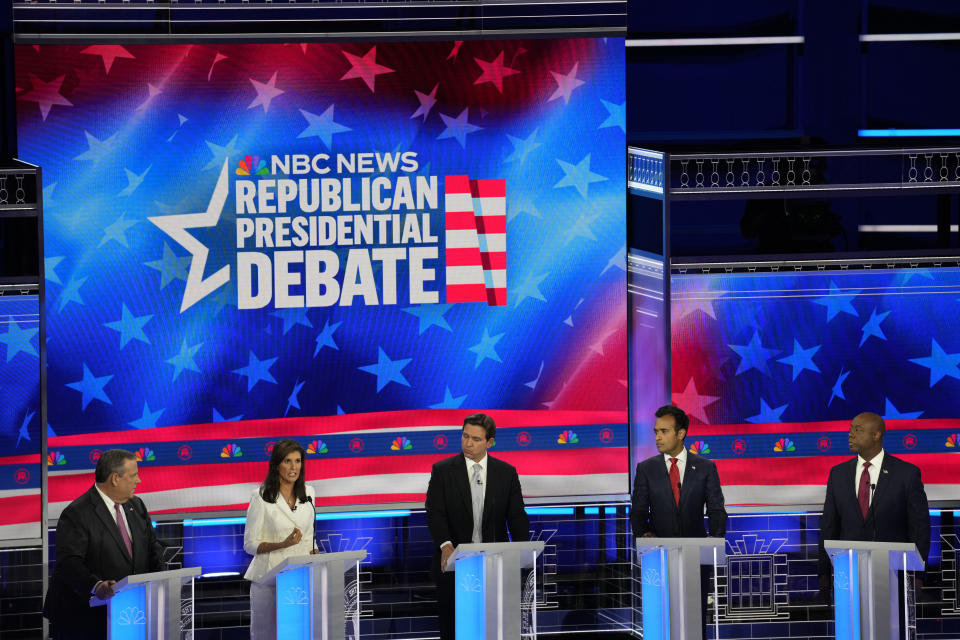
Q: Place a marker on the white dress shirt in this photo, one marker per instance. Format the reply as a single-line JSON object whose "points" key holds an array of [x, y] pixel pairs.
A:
{"points": [[873, 471], [681, 462], [273, 523]]}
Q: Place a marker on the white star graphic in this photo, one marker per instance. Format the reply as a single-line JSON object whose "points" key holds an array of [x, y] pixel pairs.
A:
{"points": [[176, 227], [578, 175], [566, 84], [97, 150], [265, 93]]}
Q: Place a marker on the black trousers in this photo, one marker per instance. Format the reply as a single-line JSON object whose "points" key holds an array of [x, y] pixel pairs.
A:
{"points": [[446, 604]]}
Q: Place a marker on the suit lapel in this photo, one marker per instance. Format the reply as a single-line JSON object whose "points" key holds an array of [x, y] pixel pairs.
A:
{"points": [[488, 493], [882, 480], [109, 522], [689, 479], [462, 485], [663, 477]]}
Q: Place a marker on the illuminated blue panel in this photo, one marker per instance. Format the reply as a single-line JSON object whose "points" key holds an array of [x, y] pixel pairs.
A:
{"points": [[549, 511], [656, 596], [846, 597], [471, 599], [293, 604], [908, 133], [128, 614]]}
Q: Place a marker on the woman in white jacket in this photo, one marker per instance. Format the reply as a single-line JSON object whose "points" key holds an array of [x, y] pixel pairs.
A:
{"points": [[279, 512]]}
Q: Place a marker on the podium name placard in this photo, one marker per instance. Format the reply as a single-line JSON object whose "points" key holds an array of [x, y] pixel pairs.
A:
{"points": [[310, 595], [865, 595], [147, 606], [489, 590]]}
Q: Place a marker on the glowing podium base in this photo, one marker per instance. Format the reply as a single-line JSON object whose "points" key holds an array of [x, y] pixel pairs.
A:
{"points": [[150, 606]]}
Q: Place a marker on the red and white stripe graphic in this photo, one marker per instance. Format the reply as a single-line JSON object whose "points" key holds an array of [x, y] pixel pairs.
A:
{"points": [[490, 214], [476, 240]]}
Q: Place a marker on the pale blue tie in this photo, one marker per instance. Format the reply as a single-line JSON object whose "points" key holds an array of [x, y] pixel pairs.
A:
{"points": [[476, 492]]}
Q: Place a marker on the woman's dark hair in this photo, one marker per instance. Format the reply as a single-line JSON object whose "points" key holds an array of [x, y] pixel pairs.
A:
{"points": [[270, 488]]}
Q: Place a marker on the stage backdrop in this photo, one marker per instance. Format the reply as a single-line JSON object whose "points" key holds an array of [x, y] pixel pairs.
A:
{"points": [[773, 367], [352, 244]]}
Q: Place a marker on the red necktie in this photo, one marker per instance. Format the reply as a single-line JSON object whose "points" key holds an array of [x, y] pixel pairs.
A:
{"points": [[675, 480], [123, 530], [863, 493]]}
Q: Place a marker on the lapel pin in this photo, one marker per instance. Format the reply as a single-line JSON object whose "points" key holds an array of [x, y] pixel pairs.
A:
{"points": [[693, 467], [885, 471]]}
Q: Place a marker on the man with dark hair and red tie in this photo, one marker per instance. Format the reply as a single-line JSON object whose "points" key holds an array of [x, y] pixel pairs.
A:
{"points": [[671, 490], [873, 497], [102, 537]]}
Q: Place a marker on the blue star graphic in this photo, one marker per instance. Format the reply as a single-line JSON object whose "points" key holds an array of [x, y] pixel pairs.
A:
{"points": [[340, 411], [837, 391], [171, 266], [430, 315], [184, 359], [257, 370], [486, 348], [71, 292], [522, 147], [872, 328], [133, 181], [222, 299], [97, 150], [221, 153], [387, 370], [891, 413], [91, 387], [617, 117], [910, 274], [801, 359], [292, 317], [24, 433], [322, 126], [578, 175], [48, 194], [529, 289], [767, 414], [533, 383], [458, 128], [50, 268], [837, 302], [940, 363], [129, 326], [18, 340], [753, 355], [148, 420], [219, 418], [449, 402], [325, 337], [581, 228], [116, 231], [294, 400]]}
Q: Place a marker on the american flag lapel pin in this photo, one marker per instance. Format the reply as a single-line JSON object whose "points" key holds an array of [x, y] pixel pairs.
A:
{"points": [[693, 467], [885, 471]]}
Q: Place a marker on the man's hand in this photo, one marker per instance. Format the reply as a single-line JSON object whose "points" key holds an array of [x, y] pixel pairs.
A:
{"points": [[648, 534], [105, 589], [445, 552]]}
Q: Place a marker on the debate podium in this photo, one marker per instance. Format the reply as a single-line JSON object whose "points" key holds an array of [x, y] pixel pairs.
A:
{"points": [[489, 589], [310, 595], [670, 584], [149, 606], [866, 600]]}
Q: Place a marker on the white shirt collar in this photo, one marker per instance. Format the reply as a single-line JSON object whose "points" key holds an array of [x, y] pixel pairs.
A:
{"points": [[681, 457], [876, 463], [482, 464], [106, 499]]}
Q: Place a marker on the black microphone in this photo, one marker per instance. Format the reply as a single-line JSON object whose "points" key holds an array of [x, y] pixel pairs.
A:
{"points": [[679, 487], [313, 528]]}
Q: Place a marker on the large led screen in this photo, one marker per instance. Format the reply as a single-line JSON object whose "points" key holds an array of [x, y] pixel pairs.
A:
{"points": [[20, 424], [352, 244], [772, 367]]}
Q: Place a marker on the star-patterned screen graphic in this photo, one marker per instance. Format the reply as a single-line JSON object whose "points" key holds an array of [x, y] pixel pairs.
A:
{"points": [[182, 328], [772, 368], [20, 436]]}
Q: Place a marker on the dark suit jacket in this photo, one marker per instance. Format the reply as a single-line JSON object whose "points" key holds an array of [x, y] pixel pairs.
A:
{"points": [[90, 549], [655, 510], [898, 512], [450, 507]]}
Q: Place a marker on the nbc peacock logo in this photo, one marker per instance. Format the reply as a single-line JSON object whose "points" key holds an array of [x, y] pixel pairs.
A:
{"points": [[252, 166], [55, 458], [784, 444], [700, 447], [953, 441], [145, 454], [231, 450], [401, 443], [317, 446], [568, 436]]}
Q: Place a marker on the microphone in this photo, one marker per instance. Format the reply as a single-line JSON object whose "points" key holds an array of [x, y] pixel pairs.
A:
{"points": [[313, 527], [679, 487]]}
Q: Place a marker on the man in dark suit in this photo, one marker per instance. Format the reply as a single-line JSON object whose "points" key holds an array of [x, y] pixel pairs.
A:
{"points": [[103, 536], [471, 498], [671, 489], [873, 497]]}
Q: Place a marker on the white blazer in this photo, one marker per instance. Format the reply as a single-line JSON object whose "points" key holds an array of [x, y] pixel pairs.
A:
{"points": [[273, 523]]}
